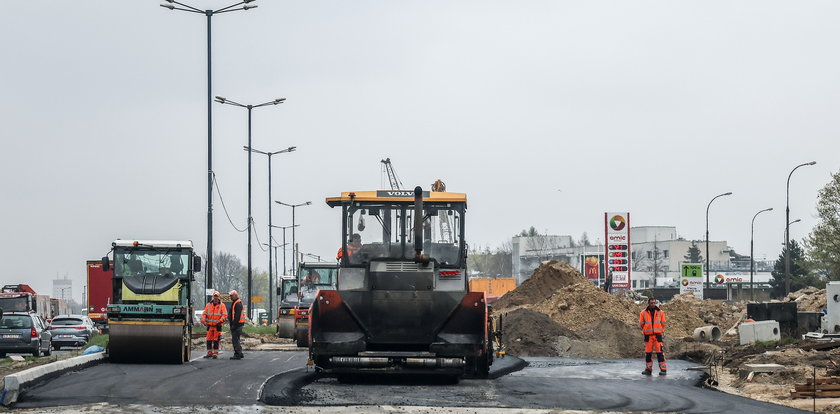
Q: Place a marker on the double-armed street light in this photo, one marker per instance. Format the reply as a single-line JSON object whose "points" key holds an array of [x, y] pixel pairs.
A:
{"points": [[174, 5], [270, 270], [294, 244], [250, 108]]}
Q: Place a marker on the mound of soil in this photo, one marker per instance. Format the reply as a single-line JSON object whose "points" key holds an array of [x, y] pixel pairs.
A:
{"points": [[545, 280], [809, 299], [579, 305], [529, 333], [682, 316]]}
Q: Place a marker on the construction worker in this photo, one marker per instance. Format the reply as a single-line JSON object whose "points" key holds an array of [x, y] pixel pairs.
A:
{"points": [[213, 318], [237, 321], [352, 247], [652, 322]]}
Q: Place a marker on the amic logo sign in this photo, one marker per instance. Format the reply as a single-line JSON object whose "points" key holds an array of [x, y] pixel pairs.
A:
{"points": [[617, 223]]}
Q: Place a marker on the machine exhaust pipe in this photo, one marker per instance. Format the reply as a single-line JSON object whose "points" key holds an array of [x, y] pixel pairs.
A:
{"points": [[360, 362], [434, 362], [419, 257]]}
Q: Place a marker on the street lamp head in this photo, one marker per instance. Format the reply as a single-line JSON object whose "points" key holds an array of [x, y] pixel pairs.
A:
{"points": [[811, 163], [249, 6], [248, 1], [308, 203], [281, 100], [729, 193], [168, 6], [220, 99]]}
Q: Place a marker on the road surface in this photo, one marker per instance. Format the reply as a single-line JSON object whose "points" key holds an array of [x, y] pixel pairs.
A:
{"points": [[280, 378]]}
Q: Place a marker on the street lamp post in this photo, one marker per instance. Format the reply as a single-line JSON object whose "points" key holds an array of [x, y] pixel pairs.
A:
{"points": [[170, 4], [707, 234], [752, 254], [294, 245], [269, 154], [787, 227], [250, 108], [285, 269]]}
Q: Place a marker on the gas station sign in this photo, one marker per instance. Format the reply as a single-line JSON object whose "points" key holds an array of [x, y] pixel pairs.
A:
{"points": [[617, 254]]}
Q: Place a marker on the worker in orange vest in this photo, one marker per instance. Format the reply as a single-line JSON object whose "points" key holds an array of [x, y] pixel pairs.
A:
{"points": [[237, 321], [352, 247], [213, 317], [652, 322]]}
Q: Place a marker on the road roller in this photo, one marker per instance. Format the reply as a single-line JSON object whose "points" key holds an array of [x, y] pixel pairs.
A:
{"points": [[150, 314], [293, 320], [402, 304]]}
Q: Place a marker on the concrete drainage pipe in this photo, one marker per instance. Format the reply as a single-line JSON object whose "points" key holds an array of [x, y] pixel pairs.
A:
{"points": [[709, 333]]}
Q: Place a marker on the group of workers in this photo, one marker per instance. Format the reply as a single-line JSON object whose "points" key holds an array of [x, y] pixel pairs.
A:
{"points": [[214, 316]]}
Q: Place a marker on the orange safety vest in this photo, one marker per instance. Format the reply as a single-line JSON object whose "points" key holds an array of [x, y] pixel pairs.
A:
{"points": [[351, 249], [214, 314], [652, 326], [242, 318]]}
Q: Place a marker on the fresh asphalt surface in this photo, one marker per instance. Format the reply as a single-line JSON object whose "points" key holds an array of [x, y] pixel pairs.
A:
{"points": [[280, 378]]}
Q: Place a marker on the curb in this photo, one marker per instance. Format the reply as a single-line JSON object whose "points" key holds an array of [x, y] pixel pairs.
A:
{"points": [[15, 384], [283, 387]]}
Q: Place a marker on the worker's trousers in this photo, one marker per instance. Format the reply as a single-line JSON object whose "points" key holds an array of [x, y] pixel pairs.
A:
{"points": [[654, 345], [235, 335], [214, 336]]}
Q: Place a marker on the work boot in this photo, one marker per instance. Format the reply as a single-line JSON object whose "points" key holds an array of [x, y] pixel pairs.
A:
{"points": [[207, 356], [646, 372], [663, 372], [236, 357], [215, 357]]}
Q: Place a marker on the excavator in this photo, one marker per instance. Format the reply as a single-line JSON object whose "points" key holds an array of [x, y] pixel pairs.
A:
{"points": [[402, 304], [150, 317]]}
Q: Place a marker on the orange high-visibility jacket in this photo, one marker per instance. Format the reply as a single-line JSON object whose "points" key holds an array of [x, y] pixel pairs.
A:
{"points": [[242, 317], [350, 250], [652, 326], [214, 315]]}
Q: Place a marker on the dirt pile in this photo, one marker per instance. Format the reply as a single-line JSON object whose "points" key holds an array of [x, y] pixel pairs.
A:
{"points": [[522, 337], [547, 278], [579, 305], [682, 316], [809, 299]]}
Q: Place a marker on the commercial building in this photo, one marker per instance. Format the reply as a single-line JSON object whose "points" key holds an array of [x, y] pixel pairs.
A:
{"points": [[656, 254]]}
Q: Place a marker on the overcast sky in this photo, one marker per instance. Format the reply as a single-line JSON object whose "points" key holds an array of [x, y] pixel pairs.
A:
{"points": [[652, 107]]}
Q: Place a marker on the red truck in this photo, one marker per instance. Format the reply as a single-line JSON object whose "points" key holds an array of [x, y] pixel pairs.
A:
{"points": [[99, 288]]}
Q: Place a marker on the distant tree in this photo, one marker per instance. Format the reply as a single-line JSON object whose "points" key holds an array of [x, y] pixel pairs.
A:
{"points": [[693, 255], [823, 243], [531, 232], [227, 272], [799, 275], [496, 262], [584, 240]]}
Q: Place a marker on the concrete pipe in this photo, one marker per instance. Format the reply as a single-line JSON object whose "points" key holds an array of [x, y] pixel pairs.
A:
{"points": [[709, 333]]}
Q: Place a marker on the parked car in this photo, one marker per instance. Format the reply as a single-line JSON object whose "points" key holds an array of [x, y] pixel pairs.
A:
{"points": [[23, 332], [71, 330]]}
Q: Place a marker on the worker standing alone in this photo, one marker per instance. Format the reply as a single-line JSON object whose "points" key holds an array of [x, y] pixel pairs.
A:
{"points": [[652, 322], [237, 321], [213, 318]]}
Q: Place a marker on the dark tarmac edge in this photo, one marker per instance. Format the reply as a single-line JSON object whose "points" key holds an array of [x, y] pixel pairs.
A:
{"points": [[506, 365], [284, 388], [26, 386]]}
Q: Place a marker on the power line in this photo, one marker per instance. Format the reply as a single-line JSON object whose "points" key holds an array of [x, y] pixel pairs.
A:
{"points": [[219, 191]]}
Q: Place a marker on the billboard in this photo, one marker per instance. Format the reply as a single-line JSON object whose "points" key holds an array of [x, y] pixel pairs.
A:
{"points": [[617, 252], [592, 267], [691, 279]]}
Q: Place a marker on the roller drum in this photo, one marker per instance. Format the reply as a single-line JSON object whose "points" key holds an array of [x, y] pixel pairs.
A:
{"points": [[148, 342]]}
